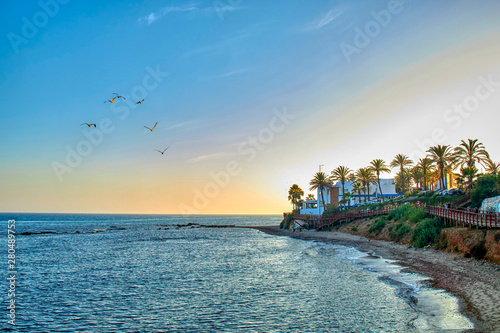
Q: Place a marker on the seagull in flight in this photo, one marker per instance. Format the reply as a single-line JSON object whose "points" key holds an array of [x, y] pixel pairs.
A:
{"points": [[140, 102], [118, 96], [89, 125], [110, 100], [151, 129], [162, 152]]}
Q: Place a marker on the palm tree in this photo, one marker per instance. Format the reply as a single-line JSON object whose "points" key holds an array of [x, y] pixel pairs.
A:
{"points": [[492, 167], [467, 176], [341, 174], [417, 175], [433, 177], [347, 198], [402, 180], [401, 161], [443, 157], [358, 187], [294, 195], [366, 177], [378, 166], [320, 182], [470, 152], [425, 165], [310, 196]]}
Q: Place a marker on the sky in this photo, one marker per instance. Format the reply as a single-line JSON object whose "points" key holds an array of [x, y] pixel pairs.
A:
{"points": [[250, 97]]}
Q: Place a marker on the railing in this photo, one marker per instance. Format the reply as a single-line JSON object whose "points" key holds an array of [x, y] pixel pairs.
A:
{"points": [[324, 221], [460, 216], [330, 220], [465, 217]]}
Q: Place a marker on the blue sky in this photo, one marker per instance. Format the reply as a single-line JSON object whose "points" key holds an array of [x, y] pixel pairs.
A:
{"points": [[230, 67]]}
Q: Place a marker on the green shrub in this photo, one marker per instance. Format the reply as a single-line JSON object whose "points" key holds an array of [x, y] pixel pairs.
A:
{"points": [[355, 228], [486, 186], [399, 231], [400, 212], [417, 214], [407, 212], [378, 225], [426, 232], [331, 209]]}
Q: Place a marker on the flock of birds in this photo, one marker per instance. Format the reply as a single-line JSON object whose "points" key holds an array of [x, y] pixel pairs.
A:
{"points": [[138, 102]]}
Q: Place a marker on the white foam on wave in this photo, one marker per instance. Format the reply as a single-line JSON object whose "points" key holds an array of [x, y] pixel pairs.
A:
{"points": [[436, 309]]}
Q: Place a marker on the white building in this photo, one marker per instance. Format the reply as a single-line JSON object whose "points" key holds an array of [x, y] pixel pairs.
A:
{"points": [[315, 207], [388, 191], [334, 195]]}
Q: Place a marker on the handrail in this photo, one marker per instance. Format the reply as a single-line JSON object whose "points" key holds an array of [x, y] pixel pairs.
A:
{"points": [[480, 219]]}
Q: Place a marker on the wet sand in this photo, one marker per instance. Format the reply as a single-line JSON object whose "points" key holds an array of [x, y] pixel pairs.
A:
{"points": [[476, 283]]}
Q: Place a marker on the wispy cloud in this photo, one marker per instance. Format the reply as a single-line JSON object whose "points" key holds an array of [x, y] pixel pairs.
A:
{"points": [[225, 42], [210, 156], [230, 73], [155, 16], [215, 9], [324, 19], [182, 124]]}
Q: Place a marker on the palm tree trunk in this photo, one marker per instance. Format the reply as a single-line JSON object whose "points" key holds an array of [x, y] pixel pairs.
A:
{"points": [[343, 192], [403, 179], [442, 179], [380, 188], [323, 200]]}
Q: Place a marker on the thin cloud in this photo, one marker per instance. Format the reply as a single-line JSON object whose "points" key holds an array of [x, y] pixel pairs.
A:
{"points": [[231, 73], [182, 124], [193, 8], [155, 16], [324, 19], [210, 156], [222, 44]]}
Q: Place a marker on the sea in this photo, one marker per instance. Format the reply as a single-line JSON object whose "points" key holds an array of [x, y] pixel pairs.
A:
{"points": [[170, 273]]}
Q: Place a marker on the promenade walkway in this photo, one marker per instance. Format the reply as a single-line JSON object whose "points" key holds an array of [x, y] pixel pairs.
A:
{"points": [[464, 217], [461, 217]]}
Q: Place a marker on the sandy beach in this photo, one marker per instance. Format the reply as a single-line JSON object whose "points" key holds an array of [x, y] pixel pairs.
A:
{"points": [[476, 283]]}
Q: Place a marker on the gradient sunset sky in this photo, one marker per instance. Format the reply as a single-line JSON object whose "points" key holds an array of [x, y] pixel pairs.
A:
{"points": [[250, 96]]}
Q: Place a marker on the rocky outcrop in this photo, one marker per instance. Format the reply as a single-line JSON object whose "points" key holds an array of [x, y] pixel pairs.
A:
{"points": [[481, 244]]}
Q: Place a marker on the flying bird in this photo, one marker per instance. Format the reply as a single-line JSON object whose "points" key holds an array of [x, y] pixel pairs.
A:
{"points": [[110, 100], [140, 102], [118, 96], [89, 125], [162, 152], [151, 129]]}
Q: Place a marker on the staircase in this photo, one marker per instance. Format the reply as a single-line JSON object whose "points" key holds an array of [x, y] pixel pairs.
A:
{"points": [[462, 203]]}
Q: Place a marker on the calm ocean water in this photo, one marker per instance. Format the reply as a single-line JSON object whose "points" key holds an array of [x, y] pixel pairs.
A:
{"points": [[140, 273]]}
